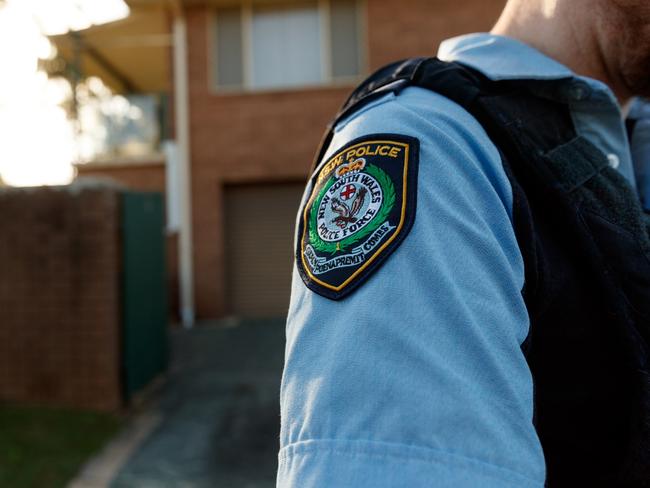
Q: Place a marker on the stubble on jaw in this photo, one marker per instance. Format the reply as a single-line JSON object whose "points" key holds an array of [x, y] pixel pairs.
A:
{"points": [[627, 27]]}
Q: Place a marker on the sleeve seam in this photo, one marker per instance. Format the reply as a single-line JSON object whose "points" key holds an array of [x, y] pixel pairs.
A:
{"points": [[414, 454]]}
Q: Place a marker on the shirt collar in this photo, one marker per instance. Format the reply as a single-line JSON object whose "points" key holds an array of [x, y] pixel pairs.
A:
{"points": [[502, 58], [639, 109], [594, 107], [505, 58]]}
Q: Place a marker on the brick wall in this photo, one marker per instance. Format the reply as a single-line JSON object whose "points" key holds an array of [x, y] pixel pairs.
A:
{"points": [[148, 176], [410, 28], [272, 136], [59, 297]]}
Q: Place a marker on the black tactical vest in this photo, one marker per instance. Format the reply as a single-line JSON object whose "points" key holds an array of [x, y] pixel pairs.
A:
{"points": [[586, 247]]}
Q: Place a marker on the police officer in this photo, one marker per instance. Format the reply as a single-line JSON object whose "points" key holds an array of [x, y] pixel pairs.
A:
{"points": [[424, 240]]}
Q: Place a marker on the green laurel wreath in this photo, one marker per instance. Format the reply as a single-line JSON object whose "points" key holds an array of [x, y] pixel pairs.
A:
{"points": [[332, 247]]}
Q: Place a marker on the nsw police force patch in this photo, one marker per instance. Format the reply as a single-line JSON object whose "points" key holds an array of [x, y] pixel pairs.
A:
{"points": [[361, 206]]}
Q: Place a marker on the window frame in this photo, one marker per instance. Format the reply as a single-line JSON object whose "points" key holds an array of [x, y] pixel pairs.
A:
{"points": [[246, 8]]}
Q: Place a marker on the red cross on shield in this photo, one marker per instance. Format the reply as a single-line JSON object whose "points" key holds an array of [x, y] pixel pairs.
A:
{"points": [[348, 192]]}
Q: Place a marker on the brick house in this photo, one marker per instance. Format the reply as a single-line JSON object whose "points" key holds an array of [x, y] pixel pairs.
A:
{"points": [[254, 83]]}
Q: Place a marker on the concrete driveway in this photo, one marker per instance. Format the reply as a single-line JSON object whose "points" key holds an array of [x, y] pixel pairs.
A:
{"points": [[219, 417]]}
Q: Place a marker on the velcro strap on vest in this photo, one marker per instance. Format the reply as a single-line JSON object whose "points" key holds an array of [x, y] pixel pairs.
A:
{"points": [[573, 164]]}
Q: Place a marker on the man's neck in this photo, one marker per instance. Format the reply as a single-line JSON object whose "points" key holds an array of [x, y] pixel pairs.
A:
{"points": [[561, 31]]}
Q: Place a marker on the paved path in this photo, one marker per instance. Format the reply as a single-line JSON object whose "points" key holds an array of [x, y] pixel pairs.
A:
{"points": [[219, 412]]}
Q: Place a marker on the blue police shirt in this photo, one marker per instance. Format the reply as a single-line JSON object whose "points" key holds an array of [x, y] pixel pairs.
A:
{"points": [[417, 378]]}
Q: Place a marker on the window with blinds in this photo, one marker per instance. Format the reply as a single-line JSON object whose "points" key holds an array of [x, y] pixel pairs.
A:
{"points": [[287, 45]]}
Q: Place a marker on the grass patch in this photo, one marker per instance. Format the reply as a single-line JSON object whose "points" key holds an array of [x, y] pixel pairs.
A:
{"points": [[44, 447]]}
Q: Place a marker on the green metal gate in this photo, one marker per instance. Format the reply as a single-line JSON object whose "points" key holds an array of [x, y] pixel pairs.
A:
{"points": [[144, 293]]}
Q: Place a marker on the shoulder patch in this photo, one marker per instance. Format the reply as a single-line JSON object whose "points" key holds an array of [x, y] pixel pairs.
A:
{"points": [[361, 207]]}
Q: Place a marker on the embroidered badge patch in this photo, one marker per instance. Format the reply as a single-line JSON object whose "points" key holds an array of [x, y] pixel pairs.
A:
{"points": [[362, 205]]}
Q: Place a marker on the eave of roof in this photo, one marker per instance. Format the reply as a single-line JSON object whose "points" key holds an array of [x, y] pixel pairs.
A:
{"points": [[130, 55]]}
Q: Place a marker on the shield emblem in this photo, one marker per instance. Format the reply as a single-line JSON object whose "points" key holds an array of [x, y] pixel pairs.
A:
{"points": [[361, 206]]}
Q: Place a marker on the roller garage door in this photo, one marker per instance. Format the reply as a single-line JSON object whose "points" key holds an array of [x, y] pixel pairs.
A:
{"points": [[259, 228]]}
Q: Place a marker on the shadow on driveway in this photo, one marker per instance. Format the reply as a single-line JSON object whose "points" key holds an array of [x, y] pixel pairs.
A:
{"points": [[220, 410]]}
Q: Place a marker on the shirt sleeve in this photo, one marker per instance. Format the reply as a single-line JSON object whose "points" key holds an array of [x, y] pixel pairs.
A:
{"points": [[418, 378]]}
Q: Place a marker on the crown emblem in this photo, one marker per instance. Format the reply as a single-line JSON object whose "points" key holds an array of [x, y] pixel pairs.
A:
{"points": [[353, 167]]}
